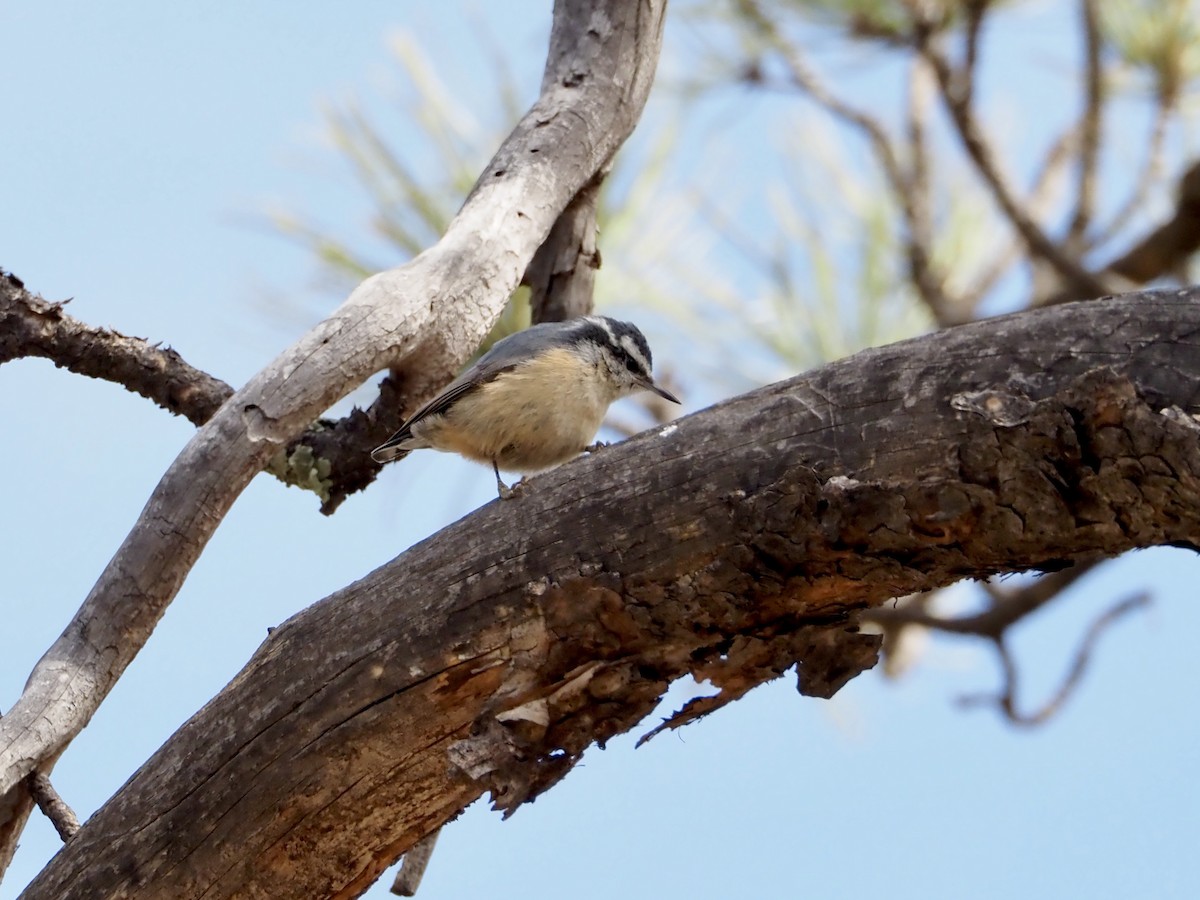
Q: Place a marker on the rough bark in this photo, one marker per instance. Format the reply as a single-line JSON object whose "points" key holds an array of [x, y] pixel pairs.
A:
{"points": [[421, 319], [731, 545], [31, 326]]}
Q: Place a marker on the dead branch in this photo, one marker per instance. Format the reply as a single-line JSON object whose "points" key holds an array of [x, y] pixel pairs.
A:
{"points": [[422, 319], [61, 816], [1171, 243], [730, 545], [1009, 606], [31, 326]]}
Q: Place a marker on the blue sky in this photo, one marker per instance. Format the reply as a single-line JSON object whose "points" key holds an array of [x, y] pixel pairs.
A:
{"points": [[141, 144]]}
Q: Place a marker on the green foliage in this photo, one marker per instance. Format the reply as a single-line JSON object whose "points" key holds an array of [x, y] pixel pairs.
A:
{"points": [[1159, 39]]}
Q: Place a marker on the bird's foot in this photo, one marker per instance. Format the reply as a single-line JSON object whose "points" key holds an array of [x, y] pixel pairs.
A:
{"points": [[598, 445], [508, 493]]}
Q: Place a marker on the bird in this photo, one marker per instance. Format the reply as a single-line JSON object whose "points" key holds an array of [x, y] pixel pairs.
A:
{"points": [[534, 400]]}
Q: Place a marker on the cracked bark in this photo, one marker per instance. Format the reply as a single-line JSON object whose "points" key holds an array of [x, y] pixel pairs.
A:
{"points": [[731, 544]]}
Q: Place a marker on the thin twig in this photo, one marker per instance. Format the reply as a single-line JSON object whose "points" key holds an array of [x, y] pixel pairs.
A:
{"points": [[975, 10], [930, 285], [61, 816], [1149, 173], [1091, 125], [917, 197], [1037, 202], [956, 92], [1006, 700]]}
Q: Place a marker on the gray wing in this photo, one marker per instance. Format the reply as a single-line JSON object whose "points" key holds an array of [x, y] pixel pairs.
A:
{"points": [[505, 354]]}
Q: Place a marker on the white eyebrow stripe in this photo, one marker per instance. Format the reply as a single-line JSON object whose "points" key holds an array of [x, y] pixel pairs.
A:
{"points": [[632, 348], [603, 323]]}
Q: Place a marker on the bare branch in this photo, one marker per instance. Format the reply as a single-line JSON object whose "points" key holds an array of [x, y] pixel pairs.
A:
{"points": [[31, 326], [562, 275], [422, 318], [52, 805], [1008, 607], [1037, 203], [1090, 130], [329, 458], [1006, 700], [975, 10], [412, 870], [1170, 244], [929, 283], [956, 94]]}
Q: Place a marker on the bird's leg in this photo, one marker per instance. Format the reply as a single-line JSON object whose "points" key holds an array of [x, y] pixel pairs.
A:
{"points": [[506, 492], [596, 445]]}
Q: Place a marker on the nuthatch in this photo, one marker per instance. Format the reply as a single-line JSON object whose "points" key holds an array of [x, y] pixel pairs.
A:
{"points": [[534, 400]]}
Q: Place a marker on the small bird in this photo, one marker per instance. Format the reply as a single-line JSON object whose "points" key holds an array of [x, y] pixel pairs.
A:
{"points": [[534, 400]]}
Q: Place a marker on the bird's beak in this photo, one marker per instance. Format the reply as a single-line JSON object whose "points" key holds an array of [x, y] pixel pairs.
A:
{"points": [[662, 392]]}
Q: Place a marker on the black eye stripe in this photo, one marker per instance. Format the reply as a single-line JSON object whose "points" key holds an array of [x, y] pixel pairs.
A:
{"points": [[630, 363]]}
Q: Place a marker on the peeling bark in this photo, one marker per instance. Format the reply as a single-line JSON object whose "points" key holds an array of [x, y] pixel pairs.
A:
{"points": [[730, 545]]}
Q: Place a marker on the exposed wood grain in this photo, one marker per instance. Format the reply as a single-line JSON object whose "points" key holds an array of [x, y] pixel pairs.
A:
{"points": [[731, 545]]}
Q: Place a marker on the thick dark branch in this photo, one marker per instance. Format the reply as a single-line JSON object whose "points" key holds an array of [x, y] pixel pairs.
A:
{"points": [[31, 326], [730, 544]]}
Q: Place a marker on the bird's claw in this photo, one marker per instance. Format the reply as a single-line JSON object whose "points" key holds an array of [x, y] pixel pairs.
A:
{"points": [[508, 493]]}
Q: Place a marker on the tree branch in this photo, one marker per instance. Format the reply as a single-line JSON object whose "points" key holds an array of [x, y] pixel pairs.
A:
{"points": [[1147, 176], [31, 326], [1006, 701], [1089, 132], [1170, 244], [52, 805], [422, 319], [562, 274], [1008, 607], [956, 93], [330, 458], [730, 544]]}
